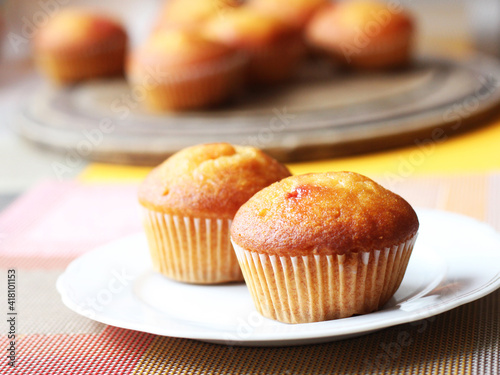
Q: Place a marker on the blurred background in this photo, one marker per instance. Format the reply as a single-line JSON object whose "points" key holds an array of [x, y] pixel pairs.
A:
{"points": [[452, 28], [469, 21]]}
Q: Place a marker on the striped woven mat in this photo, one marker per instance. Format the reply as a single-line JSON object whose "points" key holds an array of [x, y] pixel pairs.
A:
{"points": [[42, 231]]}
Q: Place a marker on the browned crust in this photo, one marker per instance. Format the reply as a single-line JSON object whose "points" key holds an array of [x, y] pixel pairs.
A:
{"points": [[102, 34], [191, 13], [193, 51], [234, 29], [294, 13], [210, 180], [323, 213]]}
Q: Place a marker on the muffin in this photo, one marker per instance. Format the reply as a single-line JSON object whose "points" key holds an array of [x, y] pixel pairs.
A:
{"points": [[189, 202], [76, 45], [363, 34], [191, 13], [274, 49], [180, 70], [294, 12], [323, 246]]}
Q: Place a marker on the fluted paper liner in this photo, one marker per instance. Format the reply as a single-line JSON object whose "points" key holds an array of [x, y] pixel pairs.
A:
{"points": [[98, 61], [192, 87], [191, 249], [314, 288], [399, 41], [393, 51]]}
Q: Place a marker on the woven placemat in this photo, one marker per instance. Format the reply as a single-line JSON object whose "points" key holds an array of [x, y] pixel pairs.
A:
{"points": [[45, 229]]}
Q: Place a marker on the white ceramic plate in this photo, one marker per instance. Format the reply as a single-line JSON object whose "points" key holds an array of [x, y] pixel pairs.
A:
{"points": [[456, 260]]}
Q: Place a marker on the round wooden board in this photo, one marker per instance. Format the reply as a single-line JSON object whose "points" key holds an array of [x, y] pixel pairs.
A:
{"points": [[323, 113]]}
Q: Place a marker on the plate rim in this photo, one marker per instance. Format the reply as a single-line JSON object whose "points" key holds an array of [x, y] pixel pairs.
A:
{"points": [[292, 337]]}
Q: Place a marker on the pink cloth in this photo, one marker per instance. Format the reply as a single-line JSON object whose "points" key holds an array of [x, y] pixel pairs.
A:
{"points": [[63, 220]]}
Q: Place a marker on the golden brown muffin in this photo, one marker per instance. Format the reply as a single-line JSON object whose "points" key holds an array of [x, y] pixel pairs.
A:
{"points": [[192, 13], [274, 48], [363, 34], [76, 45], [189, 202], [294, 12], [180, 69], [323, 246]]}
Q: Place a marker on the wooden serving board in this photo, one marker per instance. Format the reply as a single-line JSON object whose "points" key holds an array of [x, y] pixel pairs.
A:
{"points": [[321, 114]]}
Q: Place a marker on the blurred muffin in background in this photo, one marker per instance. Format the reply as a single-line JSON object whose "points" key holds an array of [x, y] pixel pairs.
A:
{"points": [[294, 12], [191, 13], [77, 44], [180, 69], [274, 48], [363, 34]]}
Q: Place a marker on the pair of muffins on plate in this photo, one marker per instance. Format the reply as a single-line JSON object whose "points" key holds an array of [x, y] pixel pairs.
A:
{"points": [[311, 247]]}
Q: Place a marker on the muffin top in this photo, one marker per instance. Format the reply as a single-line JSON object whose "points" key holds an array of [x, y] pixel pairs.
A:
{"points": [[294, 12], [168, 54], [209, 180], [362, 21], [73, 30], [324, 214], [246, 27], [190, 13], [169, 48]]}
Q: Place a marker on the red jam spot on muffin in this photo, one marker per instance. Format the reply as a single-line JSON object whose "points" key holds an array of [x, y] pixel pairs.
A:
{"points": [[298, 192]]}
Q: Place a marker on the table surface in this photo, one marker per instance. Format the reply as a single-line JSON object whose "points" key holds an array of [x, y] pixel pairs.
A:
{"points": [[56, 208]]}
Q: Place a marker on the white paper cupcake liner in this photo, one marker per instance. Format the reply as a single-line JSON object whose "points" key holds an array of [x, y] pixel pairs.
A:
{"points": [[314, 288], [76, 67], [192, 250]]}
